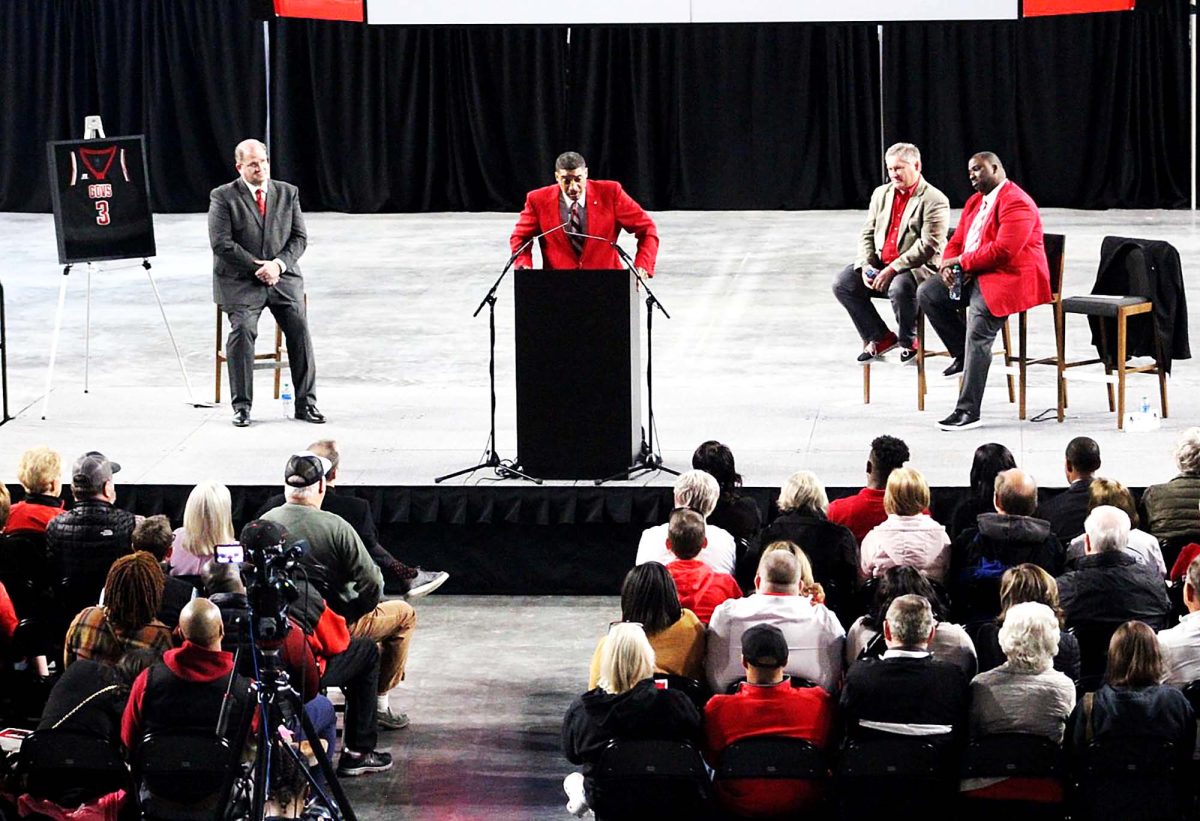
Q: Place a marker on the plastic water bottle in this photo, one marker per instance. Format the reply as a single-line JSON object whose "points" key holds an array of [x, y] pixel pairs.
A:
{"points": [[285, 400], [870, 273], [1145, 405], [956, 286]]}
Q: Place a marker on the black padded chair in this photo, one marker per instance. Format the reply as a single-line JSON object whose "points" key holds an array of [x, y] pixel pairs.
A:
{"points": [[1036, 760], [1133, 779], [777, 759], [650, 779], [71, 768], [184, 775], [696, 691], [1093, 638], [905, 776]]}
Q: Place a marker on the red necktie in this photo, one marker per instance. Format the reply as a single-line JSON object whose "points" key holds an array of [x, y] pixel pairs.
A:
{"points": [[262, 203]]}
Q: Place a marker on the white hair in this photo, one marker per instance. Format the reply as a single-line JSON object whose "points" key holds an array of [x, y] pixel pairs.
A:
{"points": [[698, 491], [1029, 637], [803, 491], [1187, 452], [299, 495], [1107, 528], [905, 151]]}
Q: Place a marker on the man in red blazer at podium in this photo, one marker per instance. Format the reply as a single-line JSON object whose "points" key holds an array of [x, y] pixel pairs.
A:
{"points": [[577, 205], [1004, 271]]}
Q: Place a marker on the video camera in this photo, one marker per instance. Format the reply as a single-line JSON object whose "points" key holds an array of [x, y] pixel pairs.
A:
{"points": [[270, 556]]}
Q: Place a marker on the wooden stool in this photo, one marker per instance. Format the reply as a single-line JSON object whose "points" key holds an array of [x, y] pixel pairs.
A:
{"points": [[270, 360], [1017, 365], [1119, 308]]}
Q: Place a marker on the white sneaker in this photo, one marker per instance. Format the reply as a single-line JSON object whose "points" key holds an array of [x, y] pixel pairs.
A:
{"points": [[576, 800]]}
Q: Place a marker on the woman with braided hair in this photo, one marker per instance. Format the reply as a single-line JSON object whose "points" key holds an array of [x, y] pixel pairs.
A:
{"points": [[126, 618]]}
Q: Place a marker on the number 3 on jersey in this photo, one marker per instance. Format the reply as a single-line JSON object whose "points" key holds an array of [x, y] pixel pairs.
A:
{"points": [[102, 217]]}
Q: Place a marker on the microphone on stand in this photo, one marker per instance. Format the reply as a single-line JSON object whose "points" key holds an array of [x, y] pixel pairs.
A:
{"points": [[629, 263], [524, 247]]}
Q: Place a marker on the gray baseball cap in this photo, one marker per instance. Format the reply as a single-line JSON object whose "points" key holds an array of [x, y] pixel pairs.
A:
{"points": [[91, 471]]}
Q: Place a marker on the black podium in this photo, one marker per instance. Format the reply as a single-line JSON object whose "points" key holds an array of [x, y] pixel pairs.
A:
{"points": [[579, 408]]}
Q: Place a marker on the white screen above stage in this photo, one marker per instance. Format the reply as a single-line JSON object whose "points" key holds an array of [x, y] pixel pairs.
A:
{"points": [[555, 12]]}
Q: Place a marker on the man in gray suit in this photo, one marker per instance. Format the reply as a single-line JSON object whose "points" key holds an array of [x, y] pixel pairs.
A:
{"points": [[898, 248], [257, 235]]}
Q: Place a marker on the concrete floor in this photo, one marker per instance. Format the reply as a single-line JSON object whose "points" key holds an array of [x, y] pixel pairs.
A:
{"points": [[489, 680], [757, 354]]}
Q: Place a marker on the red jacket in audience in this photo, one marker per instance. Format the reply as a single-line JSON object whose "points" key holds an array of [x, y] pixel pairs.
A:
{"points": [[701, 588], [766, 710], [860, 512], [34, 513], [8, 618]]}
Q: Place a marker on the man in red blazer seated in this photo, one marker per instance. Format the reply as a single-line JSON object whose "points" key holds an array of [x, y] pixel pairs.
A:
{"points": [[581, 206], [1004, 271]]}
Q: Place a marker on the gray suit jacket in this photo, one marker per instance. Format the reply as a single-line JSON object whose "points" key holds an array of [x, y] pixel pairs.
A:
{"points": [[239, 235], [922, 235]]}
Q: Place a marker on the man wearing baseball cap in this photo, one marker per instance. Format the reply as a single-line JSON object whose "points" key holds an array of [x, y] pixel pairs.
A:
{"points": [[82, 543], [766, 704], [342, 570]]}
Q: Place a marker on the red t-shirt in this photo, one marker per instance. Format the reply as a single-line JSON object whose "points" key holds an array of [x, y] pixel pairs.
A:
{"points": [[777, 710], [861, 512], [891, 242], [701, 588]]}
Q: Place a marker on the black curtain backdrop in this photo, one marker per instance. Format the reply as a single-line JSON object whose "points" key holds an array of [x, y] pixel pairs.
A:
{"points": [[188, 75], [1086, 111]]}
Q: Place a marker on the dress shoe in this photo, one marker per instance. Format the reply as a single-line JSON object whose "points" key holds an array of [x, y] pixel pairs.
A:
{"points": [[309, 413], [959, 420], [956, 367], [907, 355], [877, 348], [241, 417]]}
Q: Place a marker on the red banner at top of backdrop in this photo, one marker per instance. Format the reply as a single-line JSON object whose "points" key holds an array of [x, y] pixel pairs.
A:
{"points": [[351, 10], [1042, 8]]}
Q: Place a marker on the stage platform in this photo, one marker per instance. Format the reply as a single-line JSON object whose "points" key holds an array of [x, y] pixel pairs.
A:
{"points": [[757, 354]]}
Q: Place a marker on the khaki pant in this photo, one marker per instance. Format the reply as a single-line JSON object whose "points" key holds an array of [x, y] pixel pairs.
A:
{"points": [[391, 625]]}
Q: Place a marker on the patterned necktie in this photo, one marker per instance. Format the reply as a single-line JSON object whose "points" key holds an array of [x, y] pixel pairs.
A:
{"points": [[262, 203], [576, 227]]}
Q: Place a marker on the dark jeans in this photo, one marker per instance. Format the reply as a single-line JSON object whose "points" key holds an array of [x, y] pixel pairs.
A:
{"points": [[356, 671], [968, 337], [856, 298]]}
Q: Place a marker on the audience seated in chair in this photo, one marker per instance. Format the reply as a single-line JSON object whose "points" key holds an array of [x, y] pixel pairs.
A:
{"points": [[153, 535], [83, 543], [207, 522], [831, 548], [814, 635], [950, 643], [38, 471], [700, 587], [649, 598], [906, 692], [127, 619], [766, 705], [349, 580], [1009, 537], [863, 511], [1142, 546], [734, 513], [990, 459], [1026, 583], [698, 491], [1173, 508], [1181, 644], [399, 578], [1109, 586], [1066, 511], [1132, 706], [908, 536], [626, 705]]}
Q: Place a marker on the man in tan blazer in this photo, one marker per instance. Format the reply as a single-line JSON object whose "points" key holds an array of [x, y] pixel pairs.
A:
{"points": [[899, 248]]}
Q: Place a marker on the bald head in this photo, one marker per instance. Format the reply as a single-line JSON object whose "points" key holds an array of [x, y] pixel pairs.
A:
{"points": [[200, 622], [1016, 493]]}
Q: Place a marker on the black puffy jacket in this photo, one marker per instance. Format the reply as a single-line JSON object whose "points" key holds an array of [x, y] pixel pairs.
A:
{"points": [[81, 546]]}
